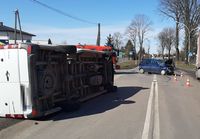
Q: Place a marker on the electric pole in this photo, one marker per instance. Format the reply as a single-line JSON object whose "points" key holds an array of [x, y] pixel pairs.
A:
{"points": [[17, 18], [98, 35]]}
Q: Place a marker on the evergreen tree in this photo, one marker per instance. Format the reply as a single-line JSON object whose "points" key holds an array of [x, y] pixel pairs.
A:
{"points": [[130, 49], [109, 41], [49, 41]]}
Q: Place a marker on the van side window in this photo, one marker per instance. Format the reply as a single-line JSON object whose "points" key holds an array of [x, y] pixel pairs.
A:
{"points": [[154, 62], [143, 61]]}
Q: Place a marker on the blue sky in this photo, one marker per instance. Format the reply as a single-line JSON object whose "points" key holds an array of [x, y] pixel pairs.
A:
{"points": [[114, 16]]}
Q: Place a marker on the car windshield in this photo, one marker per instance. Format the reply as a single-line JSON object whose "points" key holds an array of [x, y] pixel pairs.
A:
{"points": [[160, 62]]}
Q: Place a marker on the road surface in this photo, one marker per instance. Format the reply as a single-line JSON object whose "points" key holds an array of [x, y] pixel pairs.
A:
{"points": [[146, 106]]}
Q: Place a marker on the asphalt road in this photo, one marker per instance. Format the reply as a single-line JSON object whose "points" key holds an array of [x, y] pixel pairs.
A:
{"points": [[146, 106]]}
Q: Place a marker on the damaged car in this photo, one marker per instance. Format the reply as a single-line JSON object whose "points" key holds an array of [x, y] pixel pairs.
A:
{"points": [[158, 66]]}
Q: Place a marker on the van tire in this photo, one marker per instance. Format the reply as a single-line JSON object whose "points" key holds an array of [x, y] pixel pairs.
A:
{"points": [[141, 71], [48, 81], [197, 78], [163, 72]]}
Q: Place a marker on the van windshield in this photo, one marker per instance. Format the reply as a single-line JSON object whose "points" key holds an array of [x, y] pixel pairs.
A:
{"points": [[161, 62]]}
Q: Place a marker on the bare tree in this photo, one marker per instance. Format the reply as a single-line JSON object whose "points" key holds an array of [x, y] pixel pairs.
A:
{"points": [[142, 25], [131, 32], [117, 40], [190, 11], [169, 37], [171, 9], [162, 41]]}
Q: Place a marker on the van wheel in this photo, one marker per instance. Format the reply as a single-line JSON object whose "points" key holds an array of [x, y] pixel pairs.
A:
{"points": [[163, 72], [141, 71], [48, 81]]}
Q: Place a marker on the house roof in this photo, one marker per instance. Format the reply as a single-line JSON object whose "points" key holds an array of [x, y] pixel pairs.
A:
{"points": [[9, 29]]}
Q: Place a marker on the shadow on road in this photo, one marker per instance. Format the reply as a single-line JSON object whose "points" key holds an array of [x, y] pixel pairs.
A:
{"points": [[101, 104], [6, 122]]}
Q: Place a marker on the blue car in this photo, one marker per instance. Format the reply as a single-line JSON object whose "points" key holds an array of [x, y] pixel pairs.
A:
{"points": [[157, 66]]}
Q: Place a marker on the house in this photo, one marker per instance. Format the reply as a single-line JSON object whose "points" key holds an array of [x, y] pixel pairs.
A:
{"points": [[7, 35]]}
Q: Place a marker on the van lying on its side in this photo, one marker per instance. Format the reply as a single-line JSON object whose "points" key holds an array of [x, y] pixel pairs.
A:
{"points": [[37, 80]]}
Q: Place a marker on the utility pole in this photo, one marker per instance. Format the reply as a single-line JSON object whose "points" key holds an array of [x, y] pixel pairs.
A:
{"points": [[17, 18], [20, 28], [15, 34], [98, 35], [148, 50]]}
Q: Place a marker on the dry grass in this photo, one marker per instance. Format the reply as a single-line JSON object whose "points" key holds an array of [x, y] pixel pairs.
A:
{"points": [[129, 64], [182, 65]]}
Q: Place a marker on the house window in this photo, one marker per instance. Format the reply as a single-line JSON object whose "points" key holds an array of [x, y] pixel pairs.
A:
{"points": [[4, 41]]}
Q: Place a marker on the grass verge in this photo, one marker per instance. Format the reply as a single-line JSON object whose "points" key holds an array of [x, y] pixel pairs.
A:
{"points": [[129, 64], [182, 65]]}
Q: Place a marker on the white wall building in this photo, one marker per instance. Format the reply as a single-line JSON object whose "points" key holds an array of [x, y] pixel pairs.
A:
{"points": [[7, 35]]}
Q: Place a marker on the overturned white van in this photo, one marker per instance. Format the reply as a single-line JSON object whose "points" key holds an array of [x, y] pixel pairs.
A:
{"points": [[38, 80]]}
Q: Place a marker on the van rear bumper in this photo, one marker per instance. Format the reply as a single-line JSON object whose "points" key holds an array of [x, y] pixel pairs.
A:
{"points": [[42, 114]]}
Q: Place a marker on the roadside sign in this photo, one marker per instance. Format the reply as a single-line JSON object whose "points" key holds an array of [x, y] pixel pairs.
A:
{"points": [[190, 54]]}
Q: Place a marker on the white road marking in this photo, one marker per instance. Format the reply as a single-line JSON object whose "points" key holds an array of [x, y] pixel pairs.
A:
{"points": [[156, 124], [155, 78], [156, 130], [145, 132]]}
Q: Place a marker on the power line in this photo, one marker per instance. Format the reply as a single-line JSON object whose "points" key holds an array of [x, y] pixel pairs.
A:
{"points": [[62, 13]]}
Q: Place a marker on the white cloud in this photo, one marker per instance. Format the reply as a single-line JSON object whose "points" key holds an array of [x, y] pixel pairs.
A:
{"points": [[83, 35], [87, 35]]}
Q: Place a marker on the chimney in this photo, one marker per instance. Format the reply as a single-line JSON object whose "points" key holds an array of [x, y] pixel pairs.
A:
{"points": [[1, 23]]}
